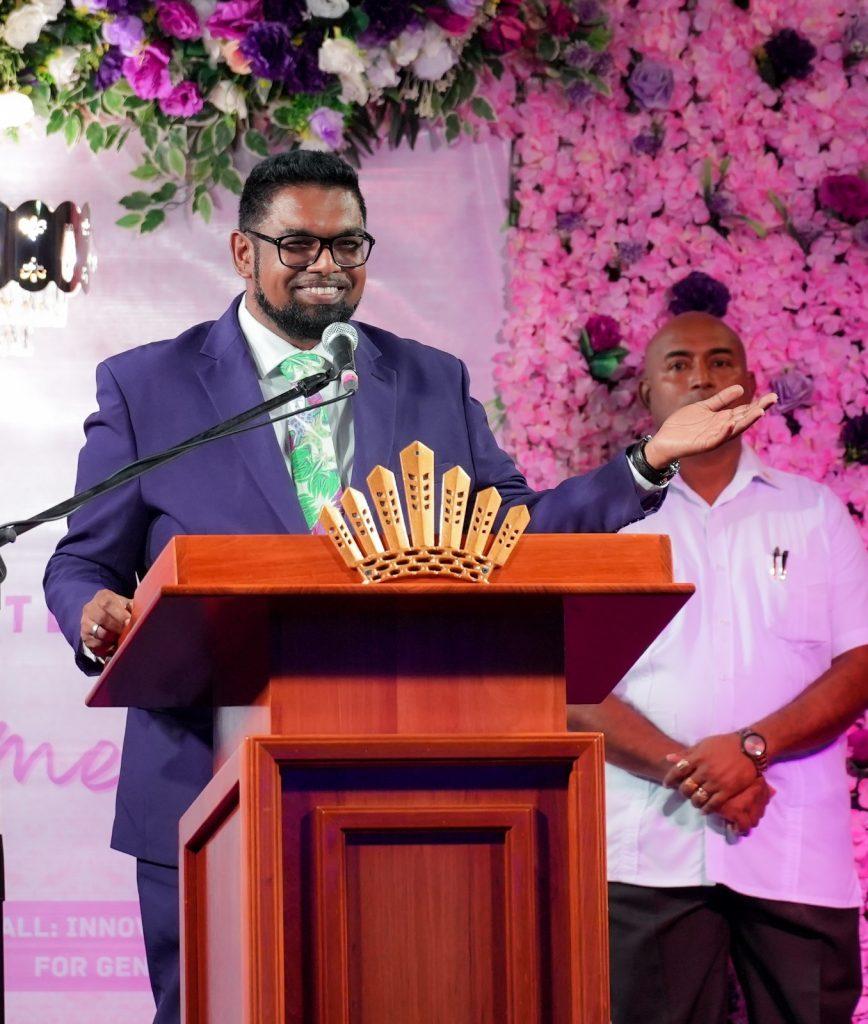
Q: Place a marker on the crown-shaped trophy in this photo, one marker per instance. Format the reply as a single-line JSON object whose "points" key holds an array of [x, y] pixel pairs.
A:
{"points": [[395, 554]]}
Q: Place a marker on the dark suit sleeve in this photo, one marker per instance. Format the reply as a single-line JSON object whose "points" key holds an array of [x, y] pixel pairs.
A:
{"points": [[103, 548], [602, 501]]}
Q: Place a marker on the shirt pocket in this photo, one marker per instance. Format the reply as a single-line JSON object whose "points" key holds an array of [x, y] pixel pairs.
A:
{"points": [[798, 610]]}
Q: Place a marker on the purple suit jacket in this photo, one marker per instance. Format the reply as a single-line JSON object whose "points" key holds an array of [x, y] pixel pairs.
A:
{"points": [[153, 396]]}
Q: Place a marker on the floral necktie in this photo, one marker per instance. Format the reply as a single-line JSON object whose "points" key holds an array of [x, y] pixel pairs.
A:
{"points": [[311, 448]]}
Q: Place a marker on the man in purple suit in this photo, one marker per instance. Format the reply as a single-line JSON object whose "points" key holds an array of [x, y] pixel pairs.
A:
{"points": [[300, 247]]}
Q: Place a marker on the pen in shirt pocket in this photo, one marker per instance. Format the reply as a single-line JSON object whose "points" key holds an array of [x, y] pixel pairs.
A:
{"points": [[778, 569]]}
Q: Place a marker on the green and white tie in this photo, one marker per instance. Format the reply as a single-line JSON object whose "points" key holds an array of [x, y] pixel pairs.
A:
{"points": [[311, 448]]}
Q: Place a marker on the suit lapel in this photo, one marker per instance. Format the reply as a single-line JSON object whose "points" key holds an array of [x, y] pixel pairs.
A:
{"points": [[226, 370], [374, 411]]}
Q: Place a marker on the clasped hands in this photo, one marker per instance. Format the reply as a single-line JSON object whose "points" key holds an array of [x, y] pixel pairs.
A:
{"points": [[719, 778]]}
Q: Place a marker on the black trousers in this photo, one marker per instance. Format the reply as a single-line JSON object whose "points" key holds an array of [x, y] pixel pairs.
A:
{"points": [[796, 964], [158, 899]]}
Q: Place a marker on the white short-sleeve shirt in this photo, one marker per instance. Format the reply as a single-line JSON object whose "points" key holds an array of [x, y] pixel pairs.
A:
{"points": [[745, 644]]}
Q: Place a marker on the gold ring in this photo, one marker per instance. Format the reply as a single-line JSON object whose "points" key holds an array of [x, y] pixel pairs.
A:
{"points": [[94, 630], [692, 783], [701, 793], [682, 764]]}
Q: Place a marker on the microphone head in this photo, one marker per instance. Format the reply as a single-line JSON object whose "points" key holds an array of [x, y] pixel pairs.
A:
{"points": [[339, 341]]}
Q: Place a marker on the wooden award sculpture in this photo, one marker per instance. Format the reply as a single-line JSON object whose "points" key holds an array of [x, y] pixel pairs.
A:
{"points": [[395, 554]]}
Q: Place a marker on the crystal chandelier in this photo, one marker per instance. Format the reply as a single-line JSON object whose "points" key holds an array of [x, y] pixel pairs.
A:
{"points": [[47, 255]]}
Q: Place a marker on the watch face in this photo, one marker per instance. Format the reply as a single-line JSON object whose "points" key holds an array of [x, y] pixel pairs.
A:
{"points": [[754, 745]]}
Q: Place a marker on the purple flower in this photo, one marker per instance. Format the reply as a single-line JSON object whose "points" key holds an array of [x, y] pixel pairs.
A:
{"points": [[602, 65], [183, 101], [578, 92], [290, 12], [789, 56], [860, 233], [700, 293], [569, 220], [857, 740], [127, 32], [579, 55], [651, 84], [178, 18], [630, 252], [719, 203], [648, 142], [328, 124], [148, 72], [232, 20], [603, 332], [126, 6], [465, 8], [854, 437], [267, 47], [589, 12], [304, 74], [387, 20], [845, 195], [110, 69], [794, 390]]}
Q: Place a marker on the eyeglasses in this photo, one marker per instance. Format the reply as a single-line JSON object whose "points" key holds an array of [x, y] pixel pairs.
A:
{"points": [[297, 252]]}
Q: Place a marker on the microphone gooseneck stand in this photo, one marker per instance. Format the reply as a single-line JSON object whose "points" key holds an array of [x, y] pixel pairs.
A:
{"points": [[305, 388]]}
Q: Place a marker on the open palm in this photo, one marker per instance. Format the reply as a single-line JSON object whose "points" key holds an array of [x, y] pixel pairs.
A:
{"points": [[704, 425]]}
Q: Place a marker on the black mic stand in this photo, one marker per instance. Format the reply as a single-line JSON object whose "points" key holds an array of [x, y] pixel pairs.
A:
{"points": [[10, 532]]}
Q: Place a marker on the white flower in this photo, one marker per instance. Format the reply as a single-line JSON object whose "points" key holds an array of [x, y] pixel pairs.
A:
{"points": [[61, 65], [16, 109], [24, 25], [228, 98], [405, 49], [328, 8], [341, 57], [381, 72], [51, 8], [213, 47], [436, 56]]}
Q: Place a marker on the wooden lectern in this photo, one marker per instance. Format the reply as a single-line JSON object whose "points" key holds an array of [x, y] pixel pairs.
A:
{"points": [[399, 830]]}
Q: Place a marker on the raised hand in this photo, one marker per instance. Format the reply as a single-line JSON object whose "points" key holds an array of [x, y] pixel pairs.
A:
{"points": [[703, 426]]}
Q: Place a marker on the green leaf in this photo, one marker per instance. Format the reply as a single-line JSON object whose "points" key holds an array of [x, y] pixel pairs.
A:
{"points": [[284, 116], [56, 121], [224, 132], [482, 108], [706, 176], [111, 135], [759, 229], [153, 219], [547, 48], [231, 179], [255, 142], [130, 220], [356, 22], [724, 167], [95, 135], [40, 95], [203, 205], [146, 172], [73, 128], [164, 193], [136, 201], [177, 161], [779, 205], [113, 101], [599, 37], [453, 127], [150, 134]]}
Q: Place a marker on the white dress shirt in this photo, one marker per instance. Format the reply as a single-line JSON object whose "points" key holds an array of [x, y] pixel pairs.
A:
{"points": [[744, 645], [269, 350]]}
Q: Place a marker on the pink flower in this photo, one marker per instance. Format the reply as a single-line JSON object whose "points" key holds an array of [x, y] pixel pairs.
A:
{"points": [[507, 31], [454, 24], [178, 18], [231, 20], [183, 101], [148, 72]]}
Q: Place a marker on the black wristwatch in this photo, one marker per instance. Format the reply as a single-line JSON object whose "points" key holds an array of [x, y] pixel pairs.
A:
{"points": [[753, 745], [658, 477]]}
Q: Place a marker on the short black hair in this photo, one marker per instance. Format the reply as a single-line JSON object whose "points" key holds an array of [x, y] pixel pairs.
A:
{"points": [[296, 167]]}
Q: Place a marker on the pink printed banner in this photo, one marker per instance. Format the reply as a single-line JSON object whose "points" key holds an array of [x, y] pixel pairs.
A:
{"points": [[74, 946]]}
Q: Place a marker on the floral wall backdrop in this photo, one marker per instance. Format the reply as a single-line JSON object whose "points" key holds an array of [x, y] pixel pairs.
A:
{"points": [[725, 172]]}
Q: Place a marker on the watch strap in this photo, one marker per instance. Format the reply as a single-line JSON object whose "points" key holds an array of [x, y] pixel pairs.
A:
{"points": [[636, 455], [760, 761]]}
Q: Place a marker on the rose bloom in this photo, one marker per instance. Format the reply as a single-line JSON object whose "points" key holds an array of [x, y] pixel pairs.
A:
{"points": [[232, 20], [178, 18], [183, 101], [228, 98], [24, 25], [148, 72], [846, 195], [507, 32], [603, 332], [235, 59]]}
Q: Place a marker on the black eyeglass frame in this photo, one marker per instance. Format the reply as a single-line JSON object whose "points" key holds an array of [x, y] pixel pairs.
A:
{"points": [[324, 243]]}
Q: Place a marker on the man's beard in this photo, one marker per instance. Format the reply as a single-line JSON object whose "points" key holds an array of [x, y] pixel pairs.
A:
{"points": [[300, 320]]}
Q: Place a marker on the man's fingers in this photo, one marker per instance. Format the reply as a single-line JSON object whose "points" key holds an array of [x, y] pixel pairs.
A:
{"points": [[723, 398], [678, 772], [714, 803]]}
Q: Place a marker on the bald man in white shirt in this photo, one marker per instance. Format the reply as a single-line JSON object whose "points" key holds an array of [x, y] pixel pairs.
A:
{"points": [[727, 797]]}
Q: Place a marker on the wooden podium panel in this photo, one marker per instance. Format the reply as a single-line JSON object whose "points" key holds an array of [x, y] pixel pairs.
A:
{"points": [[419, 881]]}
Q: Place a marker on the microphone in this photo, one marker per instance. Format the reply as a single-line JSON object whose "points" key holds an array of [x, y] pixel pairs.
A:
{"points": [[339, 341]]}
